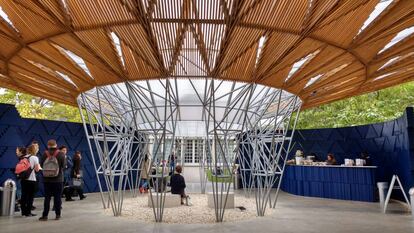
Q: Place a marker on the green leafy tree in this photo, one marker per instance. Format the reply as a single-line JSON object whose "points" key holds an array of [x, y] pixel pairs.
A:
{"points": [[35, 107], [379, 106]]}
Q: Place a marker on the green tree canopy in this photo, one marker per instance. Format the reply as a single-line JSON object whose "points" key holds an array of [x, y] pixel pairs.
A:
{"points": [[375, 107], [35, 107]]}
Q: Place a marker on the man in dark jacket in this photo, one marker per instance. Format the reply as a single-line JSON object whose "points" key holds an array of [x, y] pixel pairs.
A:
{"points": [[53, 185], [178, 184], [77, 174], [67, 173]]}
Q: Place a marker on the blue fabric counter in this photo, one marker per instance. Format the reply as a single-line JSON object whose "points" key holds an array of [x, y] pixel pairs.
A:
{"points": [[337, 182]]}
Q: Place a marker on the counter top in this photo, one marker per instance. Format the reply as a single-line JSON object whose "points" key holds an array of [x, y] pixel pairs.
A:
{"points": [[331, 181]]}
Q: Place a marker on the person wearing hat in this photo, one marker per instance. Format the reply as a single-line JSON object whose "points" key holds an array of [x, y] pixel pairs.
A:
{"points": [[53, 164]]}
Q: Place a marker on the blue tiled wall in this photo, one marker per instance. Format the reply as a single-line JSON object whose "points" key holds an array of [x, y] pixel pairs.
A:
{"points": [[16, 131], [390, 145]]}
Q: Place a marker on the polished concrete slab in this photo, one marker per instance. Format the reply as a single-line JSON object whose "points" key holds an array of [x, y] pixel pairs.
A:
{"points": [[293, 214]]}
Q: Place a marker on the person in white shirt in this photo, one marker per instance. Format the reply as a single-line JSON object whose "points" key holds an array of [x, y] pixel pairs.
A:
{"points": [[29, 184]]}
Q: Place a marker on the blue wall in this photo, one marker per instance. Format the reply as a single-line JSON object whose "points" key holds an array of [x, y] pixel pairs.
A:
{"points": [[16, 131], [390, 145]]}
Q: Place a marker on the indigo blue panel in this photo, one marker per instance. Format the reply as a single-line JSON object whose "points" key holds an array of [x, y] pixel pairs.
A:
{"points": [[363, 131], [16, 131], [9, 115], [354, 133], [357, 184], [371, 133], [390, 145], [337, 135]]}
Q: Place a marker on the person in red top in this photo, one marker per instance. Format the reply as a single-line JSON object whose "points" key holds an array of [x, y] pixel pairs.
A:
{"points": [[29, 184]]}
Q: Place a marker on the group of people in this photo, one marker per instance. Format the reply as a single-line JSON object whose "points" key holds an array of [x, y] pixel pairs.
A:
{"points": [[60, 173], [177, 181]]}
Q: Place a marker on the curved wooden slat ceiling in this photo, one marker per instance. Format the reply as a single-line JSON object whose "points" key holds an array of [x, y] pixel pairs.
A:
{"points": [[316, 49]]}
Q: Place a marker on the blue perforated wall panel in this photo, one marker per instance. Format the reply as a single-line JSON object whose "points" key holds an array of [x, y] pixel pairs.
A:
{"points": [[16, 131], [390, 145]]}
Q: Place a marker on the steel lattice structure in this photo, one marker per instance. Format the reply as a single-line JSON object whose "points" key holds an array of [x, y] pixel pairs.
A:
{"points": [[222, 112]]}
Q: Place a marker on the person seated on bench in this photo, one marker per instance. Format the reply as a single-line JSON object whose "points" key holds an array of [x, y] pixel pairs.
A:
{"points": [[178, 184]]}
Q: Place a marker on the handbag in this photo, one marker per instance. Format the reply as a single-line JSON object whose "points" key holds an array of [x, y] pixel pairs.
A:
{"points": [[76, 182]]}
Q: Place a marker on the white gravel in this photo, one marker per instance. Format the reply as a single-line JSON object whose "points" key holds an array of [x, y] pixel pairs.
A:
{"points": [[199, 212]]}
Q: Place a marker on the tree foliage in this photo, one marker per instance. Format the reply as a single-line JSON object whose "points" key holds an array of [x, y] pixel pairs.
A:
{"points": [[379, 106], [35, 107]]}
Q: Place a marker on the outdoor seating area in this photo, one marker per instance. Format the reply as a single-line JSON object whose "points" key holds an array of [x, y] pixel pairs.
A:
{"points": [[206, 116]]}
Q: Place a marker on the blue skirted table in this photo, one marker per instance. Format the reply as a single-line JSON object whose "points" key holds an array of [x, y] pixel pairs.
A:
{"points": [[337, 182]]}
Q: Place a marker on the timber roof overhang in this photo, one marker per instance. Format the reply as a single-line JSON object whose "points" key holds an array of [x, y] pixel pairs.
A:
{"points": [[320, 50]]}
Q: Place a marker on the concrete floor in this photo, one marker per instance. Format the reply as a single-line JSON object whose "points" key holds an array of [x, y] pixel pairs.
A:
{"points": [[293, 214]]}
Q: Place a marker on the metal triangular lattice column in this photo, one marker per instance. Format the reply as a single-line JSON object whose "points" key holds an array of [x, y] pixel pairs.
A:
{"points": [[113, 138]]}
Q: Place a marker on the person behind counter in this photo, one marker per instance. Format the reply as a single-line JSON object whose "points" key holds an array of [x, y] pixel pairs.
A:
{"points": [[330, 159], [365, 156]]}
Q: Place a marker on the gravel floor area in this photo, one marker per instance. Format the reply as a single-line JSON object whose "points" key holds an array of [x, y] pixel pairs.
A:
{"points": [[199, 212]]}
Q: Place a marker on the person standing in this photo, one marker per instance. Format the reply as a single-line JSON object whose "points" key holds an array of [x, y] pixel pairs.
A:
{"points": [[365, 156], [144, 175], [77, 175], [20, 153], [36, 144], [36, 153], [172, 162], [53, 163], [68, 164], [67, 173], [29, 184]]}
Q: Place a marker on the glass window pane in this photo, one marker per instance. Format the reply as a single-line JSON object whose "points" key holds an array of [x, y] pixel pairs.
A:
{"points": [[188, 151], [199, 148]]}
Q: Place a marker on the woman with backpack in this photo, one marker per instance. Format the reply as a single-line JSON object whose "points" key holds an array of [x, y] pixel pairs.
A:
{"points": [[28, 182]]}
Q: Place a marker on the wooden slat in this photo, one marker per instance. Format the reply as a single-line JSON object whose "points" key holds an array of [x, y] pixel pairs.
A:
{"points": [[206, 38], [29, 19]]}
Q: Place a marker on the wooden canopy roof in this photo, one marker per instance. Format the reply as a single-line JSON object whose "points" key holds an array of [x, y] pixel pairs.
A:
{"points": [[321, 50]]}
